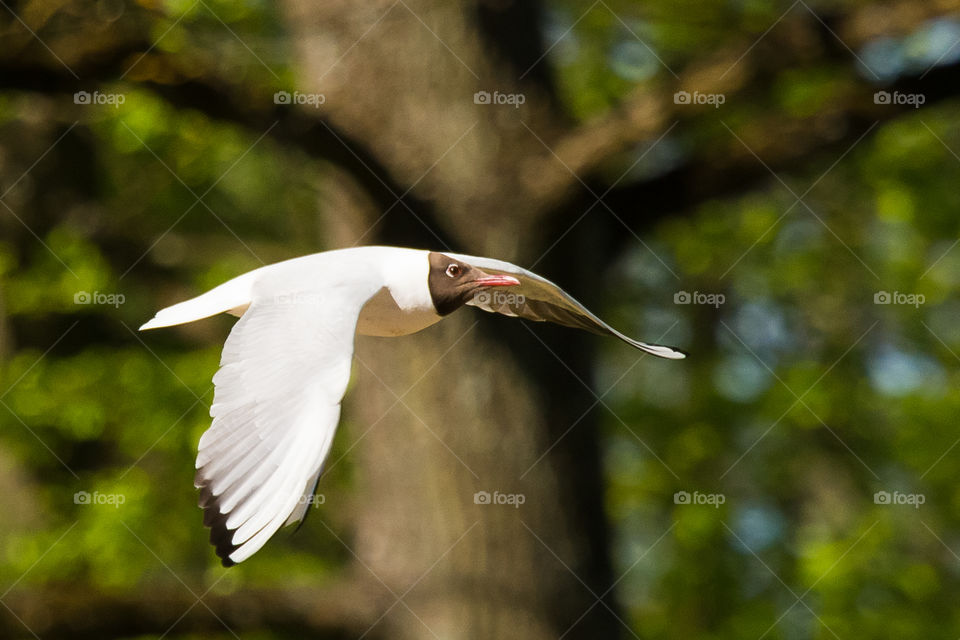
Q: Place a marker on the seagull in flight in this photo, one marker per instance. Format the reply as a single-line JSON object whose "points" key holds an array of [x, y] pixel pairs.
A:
{"points": [[286, 364]]}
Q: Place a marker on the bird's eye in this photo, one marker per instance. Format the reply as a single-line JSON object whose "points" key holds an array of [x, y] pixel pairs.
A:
{"points": [[453, 270]]}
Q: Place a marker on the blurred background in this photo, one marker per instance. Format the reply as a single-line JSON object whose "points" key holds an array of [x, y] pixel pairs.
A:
{"points": [[770, 186]]}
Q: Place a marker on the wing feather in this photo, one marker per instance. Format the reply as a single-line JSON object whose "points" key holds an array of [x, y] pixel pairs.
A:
{"points": [[284, 369]]}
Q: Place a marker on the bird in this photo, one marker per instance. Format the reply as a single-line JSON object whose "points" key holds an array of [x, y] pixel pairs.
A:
{"points": [[286, 363]]}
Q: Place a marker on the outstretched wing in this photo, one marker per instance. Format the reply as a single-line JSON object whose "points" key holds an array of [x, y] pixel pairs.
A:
{"points": [[276, 404], [539, 299]]}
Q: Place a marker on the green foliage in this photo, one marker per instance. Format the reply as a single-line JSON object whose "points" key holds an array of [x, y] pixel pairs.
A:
{"points": [[876, 383], [99, 430]]}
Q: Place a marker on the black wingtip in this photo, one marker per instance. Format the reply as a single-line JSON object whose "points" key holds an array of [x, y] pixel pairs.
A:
{"points": [[220, 536]]}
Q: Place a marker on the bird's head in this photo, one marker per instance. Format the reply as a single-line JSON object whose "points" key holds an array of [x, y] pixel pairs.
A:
{"points": [[453, 283]]}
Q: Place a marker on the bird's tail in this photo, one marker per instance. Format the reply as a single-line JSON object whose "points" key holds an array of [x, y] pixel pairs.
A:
{"points": [[232, 296]]}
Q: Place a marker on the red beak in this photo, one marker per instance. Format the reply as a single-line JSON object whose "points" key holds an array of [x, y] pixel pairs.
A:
{"points": [[497, 281]]}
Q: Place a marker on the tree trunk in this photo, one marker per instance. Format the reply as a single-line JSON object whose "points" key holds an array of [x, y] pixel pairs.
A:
{"points": [[471, 404]]}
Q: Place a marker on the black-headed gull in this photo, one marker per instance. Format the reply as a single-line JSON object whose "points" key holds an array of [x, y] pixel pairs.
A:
{"points": [[286, 364]]}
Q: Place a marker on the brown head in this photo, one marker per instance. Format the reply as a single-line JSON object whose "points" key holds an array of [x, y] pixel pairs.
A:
{"points": [[453, 283]]}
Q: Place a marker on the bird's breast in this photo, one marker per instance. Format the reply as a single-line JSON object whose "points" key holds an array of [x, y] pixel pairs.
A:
{"points": [[382, 316]]}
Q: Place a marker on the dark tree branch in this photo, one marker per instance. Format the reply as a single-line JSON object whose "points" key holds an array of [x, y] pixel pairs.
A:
{"points": [[792, 144], [744, 73], [289, 125]]}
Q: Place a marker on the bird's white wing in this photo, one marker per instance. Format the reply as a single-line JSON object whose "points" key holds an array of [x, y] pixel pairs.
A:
{"points": [[284, 370], [539, 299]]}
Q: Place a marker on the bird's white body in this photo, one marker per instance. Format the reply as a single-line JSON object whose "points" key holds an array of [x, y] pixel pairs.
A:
{"points": [[286, 364], [403, 305], [391, 280]]}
